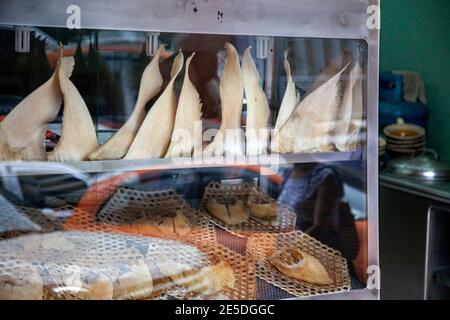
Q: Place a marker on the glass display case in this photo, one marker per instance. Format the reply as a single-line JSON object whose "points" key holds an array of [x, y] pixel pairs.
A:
{"points": [[188, 149]]}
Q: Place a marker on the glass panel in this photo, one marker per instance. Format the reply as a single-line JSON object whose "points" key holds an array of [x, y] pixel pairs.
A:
{"points": [[247, 218]]}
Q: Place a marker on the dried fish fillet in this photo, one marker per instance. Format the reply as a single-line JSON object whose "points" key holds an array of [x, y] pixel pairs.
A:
{"points": [[310, 126], [78, 135], [349, 119], [22, 133], [258, 111], [187, 132], [264, 211], [291, 97], [181, 224], [99, 287], [234, 214], [205, 281], [333, 67], [229, 139], [117, 146], [20, 281], [153, 138], [177, 225], [136, 283], [299, 265]]}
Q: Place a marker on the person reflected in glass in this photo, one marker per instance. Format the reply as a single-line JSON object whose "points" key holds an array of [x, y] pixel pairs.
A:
{"points": [[316, 193]]}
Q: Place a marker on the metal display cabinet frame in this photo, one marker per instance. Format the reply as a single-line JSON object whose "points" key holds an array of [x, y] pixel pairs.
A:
{"points": [[338, 19]]}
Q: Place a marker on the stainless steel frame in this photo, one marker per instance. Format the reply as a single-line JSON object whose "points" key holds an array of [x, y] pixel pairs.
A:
{"points": [[437, 215], [305, 18], [341, 19]]}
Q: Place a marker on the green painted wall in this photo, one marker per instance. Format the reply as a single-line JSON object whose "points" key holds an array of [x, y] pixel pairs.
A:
{"points": [[415, 35]]}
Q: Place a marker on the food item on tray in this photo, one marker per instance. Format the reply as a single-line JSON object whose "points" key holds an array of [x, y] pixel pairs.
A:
{"points": [[264, 211], [74, 285], [177, 225], [98, 287], [22, 132], [187, 133], [78, 135], [153, 137], [262, 207], [134, 283], [310, 126], [231, 214], [291, 97], [164, 225], [229, 138], [20, 281], [349, 119], [224, 273], [93, 266], [117, 146], [299, 265], [163, 222], [258, 111], [55, 241], [181, 224], [209, 280], [205, 281]]}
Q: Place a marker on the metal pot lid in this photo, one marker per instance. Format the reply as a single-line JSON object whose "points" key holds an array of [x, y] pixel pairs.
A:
{"points": [[422, 167]]}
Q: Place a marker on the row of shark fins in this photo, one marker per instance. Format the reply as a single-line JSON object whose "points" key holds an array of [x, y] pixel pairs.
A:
{"points": [[327, 119]]}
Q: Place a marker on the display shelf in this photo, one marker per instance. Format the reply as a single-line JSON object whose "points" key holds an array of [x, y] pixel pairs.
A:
{"points": [[271, 161]]}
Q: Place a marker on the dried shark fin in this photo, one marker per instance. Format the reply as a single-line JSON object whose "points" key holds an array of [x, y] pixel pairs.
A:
{"points": [[229, 139], [185, 138], [258, 111], [310, 126], [153, 138], [333, 67], [22, 133], [357, 121], [117, 146], [78, 135], [349, 119], [291, 97]]}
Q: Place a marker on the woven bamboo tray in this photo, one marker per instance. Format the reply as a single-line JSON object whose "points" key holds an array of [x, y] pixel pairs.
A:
{"points": [[262, 246], [128, 205], [77, 255], [20, 220], [226, 193]]}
